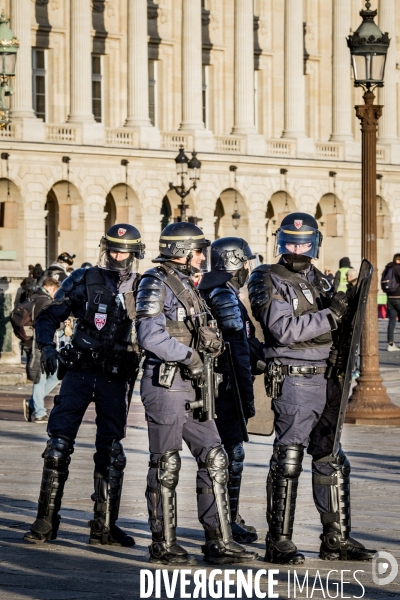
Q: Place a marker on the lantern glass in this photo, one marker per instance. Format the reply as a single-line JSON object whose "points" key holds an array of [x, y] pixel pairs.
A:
{"points": [[235, 219], [7, 63], [181, 168], [369, 67]]}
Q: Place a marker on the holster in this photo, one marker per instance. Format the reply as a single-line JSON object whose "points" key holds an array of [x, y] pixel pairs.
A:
{"points": [[273, 379]]}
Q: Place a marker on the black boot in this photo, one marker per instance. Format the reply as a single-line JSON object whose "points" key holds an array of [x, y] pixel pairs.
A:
{"points": [[282, 483], [107, 497], [336, 541], [55, 474], [240, 533], [218, 551], [168, 554], [335, 548]]}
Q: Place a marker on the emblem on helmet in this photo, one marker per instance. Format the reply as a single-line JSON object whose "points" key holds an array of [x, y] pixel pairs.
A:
{"points": [[121, 231], [298, 223]]}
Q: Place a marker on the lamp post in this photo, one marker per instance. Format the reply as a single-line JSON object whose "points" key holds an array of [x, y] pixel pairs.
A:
{"points": [[8, 55], [370, 403], [185, 167]]}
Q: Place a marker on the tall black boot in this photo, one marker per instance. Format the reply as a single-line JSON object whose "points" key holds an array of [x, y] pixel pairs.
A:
{"points": [[336, 524], [220, 547], [164, 548], [57, 457], [241, 533], [282, 483], [107, 497]]}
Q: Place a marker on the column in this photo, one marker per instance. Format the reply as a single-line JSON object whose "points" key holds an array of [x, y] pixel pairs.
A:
{"points": [[21, 26], [80, 63], [294, 71], [192, 117], [138, 65], [244, 68], [341, 79], [387, 94]]}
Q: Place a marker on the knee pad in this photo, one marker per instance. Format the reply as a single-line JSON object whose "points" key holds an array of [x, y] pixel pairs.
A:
{"points": [[57, 455], [217, 465], [236, 457], [117, 456], [169, 465], [289, 460]]}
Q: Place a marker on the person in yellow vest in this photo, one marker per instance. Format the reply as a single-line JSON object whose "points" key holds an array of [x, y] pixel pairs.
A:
{"points": [[340, 282]]}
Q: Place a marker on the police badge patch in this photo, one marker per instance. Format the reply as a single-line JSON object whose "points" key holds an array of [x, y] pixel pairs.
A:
{"points": [[308, 295], [100, 320], [121, 231], [298, 223]]}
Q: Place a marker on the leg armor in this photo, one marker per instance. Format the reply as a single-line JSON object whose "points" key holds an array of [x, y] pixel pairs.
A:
{"points": [[336, 541], [220, 547], [241, 534], [107, 497], [164, 548], [282, 483], [57, 457]]}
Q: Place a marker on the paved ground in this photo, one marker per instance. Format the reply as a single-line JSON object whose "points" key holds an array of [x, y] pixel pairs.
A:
{"points": [[70, 569]]}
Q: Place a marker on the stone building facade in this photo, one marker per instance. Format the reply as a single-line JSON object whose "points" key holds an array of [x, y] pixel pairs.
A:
{"points": [[264, 86]]}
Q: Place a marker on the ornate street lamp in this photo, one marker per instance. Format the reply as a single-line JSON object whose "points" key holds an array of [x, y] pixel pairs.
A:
{"points": [[184, 166], [8, 55], [370, 403], [236, 216]]}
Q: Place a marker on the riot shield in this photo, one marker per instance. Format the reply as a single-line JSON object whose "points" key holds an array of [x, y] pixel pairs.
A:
{"points": [[342, 360]]}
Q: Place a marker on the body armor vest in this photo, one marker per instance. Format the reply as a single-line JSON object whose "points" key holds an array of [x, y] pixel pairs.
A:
{"points": [[309, 299], [184, 328], [106, 325]]}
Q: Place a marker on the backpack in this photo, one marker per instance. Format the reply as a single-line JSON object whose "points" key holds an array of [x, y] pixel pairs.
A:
{"points": [[21, 320], [389, 281]]}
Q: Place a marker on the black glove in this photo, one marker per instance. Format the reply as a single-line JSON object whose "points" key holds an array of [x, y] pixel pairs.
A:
{"points": [[48, 360], [196, 366], [249, 410], [339, 305]]}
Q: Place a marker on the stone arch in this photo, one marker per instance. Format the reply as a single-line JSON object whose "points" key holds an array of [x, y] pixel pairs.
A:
{"points": [[332, 224], [165, 212], [224, 208], [384, 233], [280, 204], [65, 225], [122, 206], [12, 227]]}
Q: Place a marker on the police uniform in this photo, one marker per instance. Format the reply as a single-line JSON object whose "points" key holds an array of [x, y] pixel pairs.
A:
{"points": [[100, 366], [291, 302], [167, 305], [220, 289]]}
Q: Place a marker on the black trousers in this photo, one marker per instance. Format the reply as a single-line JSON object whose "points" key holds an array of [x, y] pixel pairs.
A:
{"points": [[78, 390]]}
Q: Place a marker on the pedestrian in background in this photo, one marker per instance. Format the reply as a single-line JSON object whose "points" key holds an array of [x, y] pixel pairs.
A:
{"points": [[392, 274], [58, 269], [42, 384], [340, 282]]}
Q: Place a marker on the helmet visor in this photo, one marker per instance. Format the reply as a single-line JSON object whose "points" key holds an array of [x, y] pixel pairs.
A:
{"points": [[201, 259], [128, 262], [253, 262]]}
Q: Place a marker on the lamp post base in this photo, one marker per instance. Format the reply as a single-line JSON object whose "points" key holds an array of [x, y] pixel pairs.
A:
{"points": [[370, 404]]}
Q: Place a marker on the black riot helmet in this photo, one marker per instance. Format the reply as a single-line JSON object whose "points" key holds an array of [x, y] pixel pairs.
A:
{"points": [[233, 255], [301, 230], [180, 240], [67, 258], [122, 238]]}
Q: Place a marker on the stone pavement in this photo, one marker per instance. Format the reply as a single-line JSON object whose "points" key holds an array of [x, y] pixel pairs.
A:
{"points": [[70, 569]]}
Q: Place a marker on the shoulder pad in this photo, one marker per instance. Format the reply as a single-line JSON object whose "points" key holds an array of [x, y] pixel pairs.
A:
{"points": [[157, 272], [68, 284], [260, 290], [150, 295], [225, 308]]}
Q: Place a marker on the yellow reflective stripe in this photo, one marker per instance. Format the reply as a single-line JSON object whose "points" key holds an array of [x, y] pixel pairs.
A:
{"points": [[111, 239], [182, 237], [298, 232]]}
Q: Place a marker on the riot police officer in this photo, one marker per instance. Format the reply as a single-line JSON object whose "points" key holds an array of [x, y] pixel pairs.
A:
{"points": [[230, 259], [170, 313], [297, 314], [99, 366]]}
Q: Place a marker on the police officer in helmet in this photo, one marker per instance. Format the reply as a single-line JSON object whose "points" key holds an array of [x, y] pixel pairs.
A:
{"points": [[99, 366], [231, 261], [170, 312], [291, 301]]}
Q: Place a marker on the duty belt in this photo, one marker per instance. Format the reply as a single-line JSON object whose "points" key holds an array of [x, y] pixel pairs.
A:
{"points": [[292, 370]]}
